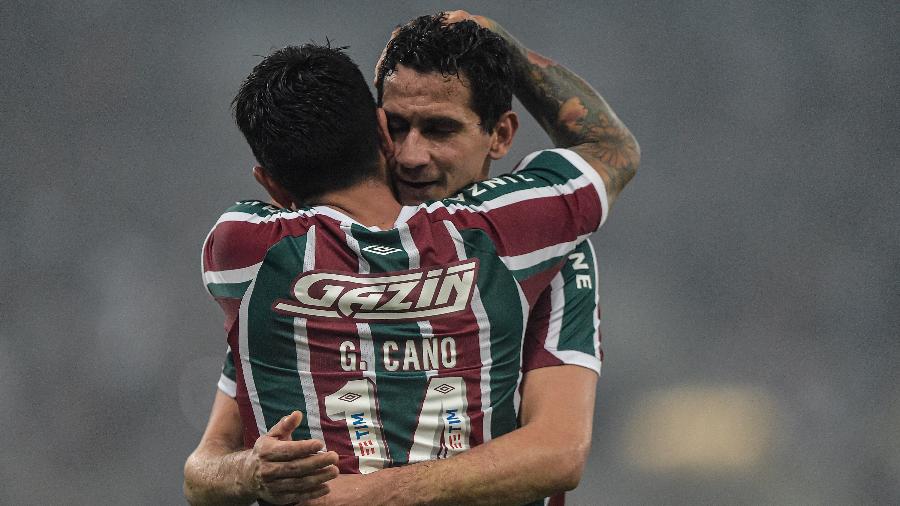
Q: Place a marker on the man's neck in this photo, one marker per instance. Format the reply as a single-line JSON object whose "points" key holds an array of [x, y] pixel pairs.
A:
{"points": [[370, 203]]}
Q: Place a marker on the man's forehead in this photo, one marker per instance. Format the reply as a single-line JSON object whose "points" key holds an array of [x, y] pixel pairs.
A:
{"points": [[406, 87]]}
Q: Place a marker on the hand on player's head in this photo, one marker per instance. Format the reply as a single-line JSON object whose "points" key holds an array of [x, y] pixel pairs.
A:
{"points": [[460, 15]]}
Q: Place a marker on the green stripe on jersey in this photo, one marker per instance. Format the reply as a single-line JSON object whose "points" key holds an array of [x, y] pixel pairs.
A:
{"points": [[400, 393], [561, 169], [501, 302], [548, 168], [228, 290], [228, 369], [579, 275], [254, 207], [270, 336], [522, 274]]}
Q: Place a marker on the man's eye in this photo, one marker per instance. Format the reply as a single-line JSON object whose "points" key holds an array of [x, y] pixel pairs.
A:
{"points": [[396, 127], [440, 131]]}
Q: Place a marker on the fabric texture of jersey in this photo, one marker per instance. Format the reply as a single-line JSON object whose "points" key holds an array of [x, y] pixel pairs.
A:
{"points": [[403, 345], [563, 326]]}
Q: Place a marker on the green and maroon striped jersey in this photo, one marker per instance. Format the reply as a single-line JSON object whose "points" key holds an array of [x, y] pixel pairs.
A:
{"points": [[400, 345], [563, 326]]}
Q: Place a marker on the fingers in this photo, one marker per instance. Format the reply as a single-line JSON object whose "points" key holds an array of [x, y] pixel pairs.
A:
{"points": [[297, 468], [302, 483], [456, 17], [378, 63], [285, 426], [297, 485], [282, 451]]}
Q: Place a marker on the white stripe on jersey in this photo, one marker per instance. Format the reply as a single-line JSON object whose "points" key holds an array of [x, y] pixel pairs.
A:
{"points": [[582, 165], [256, 219], [202, 255], [227, 386], [301, 345], [519, 262], [589, 177], [412, 252], [554, 327], [366, 343], [484, 337], [596, 306], [232, 276], [252, 394]]}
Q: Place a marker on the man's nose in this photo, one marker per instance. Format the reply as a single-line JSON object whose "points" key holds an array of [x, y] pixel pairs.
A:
{"points": [[412, 152]]}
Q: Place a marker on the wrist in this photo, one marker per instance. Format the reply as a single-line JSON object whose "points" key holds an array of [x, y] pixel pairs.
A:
{"points": [[246, 485]]}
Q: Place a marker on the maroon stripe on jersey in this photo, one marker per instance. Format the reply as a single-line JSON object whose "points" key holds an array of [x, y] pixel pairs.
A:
{"points": [[534, 352], [238, 244], [526, 223], [231, 307], [332, 253], [557, 499], [435, 244], [251, 432], [535, 285]]}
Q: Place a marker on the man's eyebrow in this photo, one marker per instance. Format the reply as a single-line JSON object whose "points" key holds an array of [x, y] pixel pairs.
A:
{"points": [[444, 122]]}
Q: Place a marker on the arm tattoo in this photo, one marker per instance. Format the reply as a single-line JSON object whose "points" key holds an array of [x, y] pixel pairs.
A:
{"points": [[573, 114]]}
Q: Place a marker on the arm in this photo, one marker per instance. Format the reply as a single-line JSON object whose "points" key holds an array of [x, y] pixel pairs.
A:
{"points": [[276, 469], [572, 113], [545, 456]]}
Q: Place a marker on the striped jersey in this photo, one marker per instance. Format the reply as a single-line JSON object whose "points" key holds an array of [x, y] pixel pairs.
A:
{"points": [[406, 344], [563, 326]]}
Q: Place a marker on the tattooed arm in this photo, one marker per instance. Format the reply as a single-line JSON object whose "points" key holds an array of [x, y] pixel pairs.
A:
{"points": [[572, 113]]}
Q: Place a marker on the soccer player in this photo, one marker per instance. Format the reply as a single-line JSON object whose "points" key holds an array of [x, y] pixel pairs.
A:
{"points": [[446, 128]]}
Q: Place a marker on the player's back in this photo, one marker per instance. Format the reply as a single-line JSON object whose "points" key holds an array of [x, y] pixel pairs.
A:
{"points": [[423, 322]]}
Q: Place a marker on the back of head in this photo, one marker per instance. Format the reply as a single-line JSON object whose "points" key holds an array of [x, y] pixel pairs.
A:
{"points": [[465, 49], [309, 118]]}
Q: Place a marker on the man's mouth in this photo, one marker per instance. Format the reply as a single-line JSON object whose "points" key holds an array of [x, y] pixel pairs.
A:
{"points": [[415, 192], [417, 184]]}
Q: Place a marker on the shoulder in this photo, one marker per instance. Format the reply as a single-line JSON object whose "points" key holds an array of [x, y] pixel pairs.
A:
{"points": [[245, 231]]}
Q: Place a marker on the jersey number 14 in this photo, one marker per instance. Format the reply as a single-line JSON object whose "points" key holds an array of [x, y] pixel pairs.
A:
{"points": [[441, 431]]}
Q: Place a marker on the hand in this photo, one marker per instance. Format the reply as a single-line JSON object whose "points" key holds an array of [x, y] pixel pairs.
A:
{"points": [[375, 80], [282, 471], [457, 16], [450, 18]]}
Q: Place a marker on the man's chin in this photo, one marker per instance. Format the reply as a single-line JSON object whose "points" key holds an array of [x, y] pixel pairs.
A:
{"points": [[413, 196]]}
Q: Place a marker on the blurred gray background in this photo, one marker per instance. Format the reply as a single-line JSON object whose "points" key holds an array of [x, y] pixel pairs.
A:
{"points": [[751, 307]]}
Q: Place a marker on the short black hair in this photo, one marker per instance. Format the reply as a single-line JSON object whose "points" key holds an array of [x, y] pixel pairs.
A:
{"points": [[309, 117], [426, 44]]}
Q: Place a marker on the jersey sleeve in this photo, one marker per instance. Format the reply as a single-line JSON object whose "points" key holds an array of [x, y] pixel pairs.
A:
{"points": [[228, 378], [236, 245], [534, 216], [564, 324]]}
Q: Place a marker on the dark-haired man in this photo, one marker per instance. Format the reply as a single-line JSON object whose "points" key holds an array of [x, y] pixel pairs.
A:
{"points": [[441, 144]]}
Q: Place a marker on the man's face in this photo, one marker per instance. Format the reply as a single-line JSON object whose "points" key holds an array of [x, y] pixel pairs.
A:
{"points": [[439, 146]]}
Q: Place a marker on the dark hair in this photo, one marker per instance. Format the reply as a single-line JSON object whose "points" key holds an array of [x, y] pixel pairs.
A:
{"points": [[309, 118], [426, 44]]}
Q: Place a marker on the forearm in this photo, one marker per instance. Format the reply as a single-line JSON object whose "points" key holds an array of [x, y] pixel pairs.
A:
{"points": [[572, 113], [519, 467], [213, 474]]}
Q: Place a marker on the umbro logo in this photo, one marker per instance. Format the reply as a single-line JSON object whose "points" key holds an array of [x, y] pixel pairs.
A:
{"points": [[381, 250], [409, 295]]}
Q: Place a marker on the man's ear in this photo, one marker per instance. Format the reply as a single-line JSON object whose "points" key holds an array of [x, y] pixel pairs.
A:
{"points": [[502, 136], [280, 196], [384, 135]]}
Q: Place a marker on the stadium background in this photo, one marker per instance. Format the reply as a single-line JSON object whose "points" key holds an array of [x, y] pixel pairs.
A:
{"points": [[749, 273]]}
